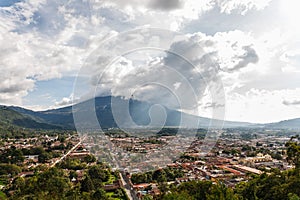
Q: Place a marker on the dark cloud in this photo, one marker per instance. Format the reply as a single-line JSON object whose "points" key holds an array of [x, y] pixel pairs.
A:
{"points": [[291, 103], [166, 4], [14, 85], [213, 105], [250, 56], [11, 89]]}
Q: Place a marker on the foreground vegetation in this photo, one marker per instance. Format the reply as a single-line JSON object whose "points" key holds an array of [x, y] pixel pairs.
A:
{"points": [[274, 186], [56, 183], [277, 186], [70, 179]]}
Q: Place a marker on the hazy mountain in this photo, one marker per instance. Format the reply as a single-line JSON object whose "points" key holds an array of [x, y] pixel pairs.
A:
{"points": [[10, 117], [286, 124], [138, 112]]}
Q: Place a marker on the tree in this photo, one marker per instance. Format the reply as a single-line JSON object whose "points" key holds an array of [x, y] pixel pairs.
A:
{"points": [[221, 192], [16, 156], [89, 159], [62, 138], [293, 151], [43, 157], [54, 183], [293, 196], [99, 194], [72, 174], [87, 184], [51, 184], [160, 176], [198, 189], [37, 151], [178, 196], [74, 194], [9, 169], [118, 193], [95, 172], [201, 190], [18, 184]]}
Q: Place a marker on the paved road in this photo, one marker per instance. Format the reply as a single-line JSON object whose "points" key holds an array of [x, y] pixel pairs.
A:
{"points": [[125, 181], [128, 189], [65, 155]]}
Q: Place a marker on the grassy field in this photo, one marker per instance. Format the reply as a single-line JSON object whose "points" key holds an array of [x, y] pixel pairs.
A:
{"points": [[111, 179], [110, 195], [117, 194]]}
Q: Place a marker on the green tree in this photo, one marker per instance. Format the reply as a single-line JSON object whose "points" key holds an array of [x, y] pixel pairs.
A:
{"points": [[62, 138], [11, 169], [18, 184], [95, 172], [293, 196], [160, 176], [221, 192], [54, 183], [247, 190], [74, 194], [44, 157], [99, 194], [178, 196], [51, 184], [87, 184], [293, 151], [89, 159], [37, 151]]}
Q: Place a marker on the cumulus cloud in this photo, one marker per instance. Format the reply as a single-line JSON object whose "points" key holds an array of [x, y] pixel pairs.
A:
{"points": [[49, 39], [66, 101], [208, 56], [231, 50], [41, 41], [249, 56], [242, 7], [188, 7], [193, 61]]}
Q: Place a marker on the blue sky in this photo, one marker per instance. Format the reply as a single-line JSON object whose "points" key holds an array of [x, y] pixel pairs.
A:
{"points": [[50, 92], [6, 3], [254, 45]]}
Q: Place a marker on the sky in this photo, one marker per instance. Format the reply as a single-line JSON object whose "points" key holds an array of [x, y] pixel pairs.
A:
{"points": [[238, 57]]}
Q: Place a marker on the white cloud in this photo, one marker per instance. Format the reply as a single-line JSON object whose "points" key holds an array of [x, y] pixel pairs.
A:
{"points": [[153, 76], [66, 101], [234, 49], [42, 41], [262, 105], [242, 6]]}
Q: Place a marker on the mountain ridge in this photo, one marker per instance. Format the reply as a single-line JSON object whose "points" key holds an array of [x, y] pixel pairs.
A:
{"points": [[139, 112], [10, 117]]}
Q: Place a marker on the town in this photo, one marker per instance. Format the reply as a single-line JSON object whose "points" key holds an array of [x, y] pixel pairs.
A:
{"points": [[141, 166]]}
